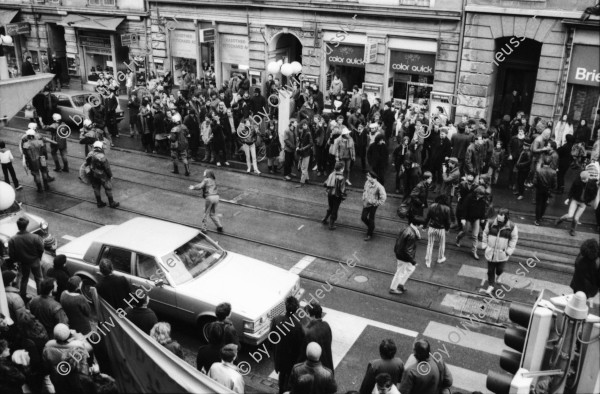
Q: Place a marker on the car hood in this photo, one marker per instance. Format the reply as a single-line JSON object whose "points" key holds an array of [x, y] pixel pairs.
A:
{"points": [[8, 224], [251, 286], [77, 247]]}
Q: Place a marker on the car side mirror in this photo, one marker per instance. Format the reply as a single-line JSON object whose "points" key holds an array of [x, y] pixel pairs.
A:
{"points": [[159, 283]]}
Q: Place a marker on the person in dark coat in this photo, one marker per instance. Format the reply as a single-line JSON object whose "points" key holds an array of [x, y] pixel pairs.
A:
{"points": [[474, 212], [229, 334], [210, 353], [288, 350], [45, 308], [11, 376], [425, 374], [586, 277], [365, 106], [142, 316], [388, 363], [27, 249], [76, 307], [318, 331], [441, 149], [114, 289], [418, 197], [27, 67], [564, 162], [60, 273], [46, 104], [583, 133], [377, 157], [191, 122], [322, 382], [218, 140], [583, 191], [134, 110]]}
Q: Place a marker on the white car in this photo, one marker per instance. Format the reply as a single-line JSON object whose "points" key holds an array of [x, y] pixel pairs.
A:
{"points": [[71, 106], [189, 274], [8, 228]]}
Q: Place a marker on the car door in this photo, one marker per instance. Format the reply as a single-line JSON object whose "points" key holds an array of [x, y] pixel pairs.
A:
{"points": [[163, 298], [122, 261]]}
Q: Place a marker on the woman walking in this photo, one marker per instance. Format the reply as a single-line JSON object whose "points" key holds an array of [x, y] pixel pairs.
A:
{"points": [[336, 193], [211, 197]]}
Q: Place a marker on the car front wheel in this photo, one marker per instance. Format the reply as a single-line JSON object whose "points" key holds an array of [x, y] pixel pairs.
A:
{"points": [[86, 284]]}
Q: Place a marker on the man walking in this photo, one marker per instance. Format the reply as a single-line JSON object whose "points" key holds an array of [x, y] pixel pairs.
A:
{"points": [[36, 160], [499, 241], [27, 249], [544, 182], [373, 197], [59, 132], [344, 151], [405, 250], [474, 212], [100, 175], [438, 220], [304, 149]]}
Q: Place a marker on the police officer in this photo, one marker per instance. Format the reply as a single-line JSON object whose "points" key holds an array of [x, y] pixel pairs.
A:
{"points": [[36, 157], [111, 112], [179, 144], [59, 132], [100, 175], [89, 134]]}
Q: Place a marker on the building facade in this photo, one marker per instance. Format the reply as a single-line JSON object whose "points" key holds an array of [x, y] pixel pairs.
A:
{"points": [[395, 50], [539, 57], [85, 36]]}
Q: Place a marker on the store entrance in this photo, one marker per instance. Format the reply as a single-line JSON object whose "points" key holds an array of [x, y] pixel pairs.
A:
{"points": [[288, 48], [349, 76], [58, 48], [516, 76]]}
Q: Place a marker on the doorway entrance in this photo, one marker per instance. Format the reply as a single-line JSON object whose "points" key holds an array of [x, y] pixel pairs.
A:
{"points": [[516, 75], [286, 47]]}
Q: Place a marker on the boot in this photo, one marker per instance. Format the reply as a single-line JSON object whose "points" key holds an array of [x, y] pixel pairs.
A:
{"points": [[326, 218], [46, 186], [573, 226], [100, 203], [187, 169], [65, 167], [332, 224], [270, 169], [113, 204], [175, 169]]}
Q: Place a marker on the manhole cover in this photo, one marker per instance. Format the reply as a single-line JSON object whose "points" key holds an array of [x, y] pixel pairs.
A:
{"points": [[360, 279]]}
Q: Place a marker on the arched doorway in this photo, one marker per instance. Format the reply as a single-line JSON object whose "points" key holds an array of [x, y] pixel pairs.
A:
{"points": [[517, 61], [286, 47]]}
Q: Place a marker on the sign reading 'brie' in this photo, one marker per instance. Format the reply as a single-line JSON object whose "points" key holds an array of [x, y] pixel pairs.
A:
{"points": [[585, 67]]}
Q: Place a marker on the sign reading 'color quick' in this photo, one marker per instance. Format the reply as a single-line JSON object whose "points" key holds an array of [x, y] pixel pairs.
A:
{"points": [[346, 55], [585, 66], [412, 63]]}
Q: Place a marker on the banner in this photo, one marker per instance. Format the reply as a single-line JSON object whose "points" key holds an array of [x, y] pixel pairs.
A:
{"points": [[234, 49], [140, 364]]}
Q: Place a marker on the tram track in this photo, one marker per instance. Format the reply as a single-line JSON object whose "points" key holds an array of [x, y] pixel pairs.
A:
{"points": [[567, 251], [436, 286]]}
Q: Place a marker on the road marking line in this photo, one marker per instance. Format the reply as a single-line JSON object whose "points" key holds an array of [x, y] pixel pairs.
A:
{"points": [[300, 228], [469, 339], [348, 328], [237, 213], [302, 264], [516, 281], [467, 380], [69, 237]]}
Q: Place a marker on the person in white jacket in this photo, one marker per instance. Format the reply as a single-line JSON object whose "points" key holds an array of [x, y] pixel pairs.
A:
{"points": [[562, 128], [499, 241]]}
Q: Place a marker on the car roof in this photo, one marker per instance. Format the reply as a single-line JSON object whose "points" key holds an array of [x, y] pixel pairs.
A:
{"points": [[149, 236]]}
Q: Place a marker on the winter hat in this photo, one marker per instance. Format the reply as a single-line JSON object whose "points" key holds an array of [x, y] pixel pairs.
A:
{"points": [[8, 277], [373, 175]]}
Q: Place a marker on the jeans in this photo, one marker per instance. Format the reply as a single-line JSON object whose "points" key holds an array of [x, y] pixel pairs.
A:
{"points": [[44, 177], [433, 235], [6, 169], [368, 218], [403, 271], [474, 227], [250, 153], [576, 209], [541, 202], [347, 166], [495, 269], [26, 270], [304, 162], [209, 154], [210, 209]]}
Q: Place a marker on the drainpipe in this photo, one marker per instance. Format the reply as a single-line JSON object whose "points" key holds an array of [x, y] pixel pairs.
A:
{"points": [[149, 59], [560, 75], [460, 50]]}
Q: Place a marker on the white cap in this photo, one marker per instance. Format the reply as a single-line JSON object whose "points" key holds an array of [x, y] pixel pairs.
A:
{"points": [[98, 144], [30, 132], [32, 126], [87, 122], [56, 117], [176, 118]]}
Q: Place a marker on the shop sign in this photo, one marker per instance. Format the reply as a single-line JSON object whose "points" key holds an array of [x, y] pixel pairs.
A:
{"points": [[311, 79], [372, 90], [234, 49], [371, 52], [94, 42], [346, 55], [207, 35], [128, 39], [412, 63], [183, 44], [13, 29], [584, 68]]}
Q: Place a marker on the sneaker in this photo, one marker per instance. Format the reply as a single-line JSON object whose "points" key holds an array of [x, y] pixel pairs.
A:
{"points": [[428, 264], [287, 178], [114, 204], [19, 187], [101, 204], [520, 197], [475, 256], [226, 163], [248, 171], [537, 223], [315, 168], [218, 164], [572, 232], [442, 260], [257, 173], [325, 220], [396, 291], [367, 238], [348, 182]]}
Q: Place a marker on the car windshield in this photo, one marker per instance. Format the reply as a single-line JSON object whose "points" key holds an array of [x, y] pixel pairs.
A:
{"points": [[80, 100], [192, 259], [10, 210]]}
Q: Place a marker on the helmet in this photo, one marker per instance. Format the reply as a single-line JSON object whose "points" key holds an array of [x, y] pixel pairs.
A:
{"points": [[61, 332], [30, 132], [56, 117], [87, 123], [176, 118], [32, 126], [98, 145]]}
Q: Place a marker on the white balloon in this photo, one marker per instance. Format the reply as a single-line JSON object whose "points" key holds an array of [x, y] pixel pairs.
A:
{"points": [[287, 69], [273, 68], [297, 67], [7, 196], [280, 62], [7, 40]]}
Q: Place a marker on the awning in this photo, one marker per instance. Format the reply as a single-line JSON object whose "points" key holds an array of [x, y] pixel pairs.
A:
{"points": [[91, 22], [6, 16]]}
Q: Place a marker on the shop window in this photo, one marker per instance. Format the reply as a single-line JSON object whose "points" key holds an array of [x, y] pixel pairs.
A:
{"points": [[101, 2]]}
